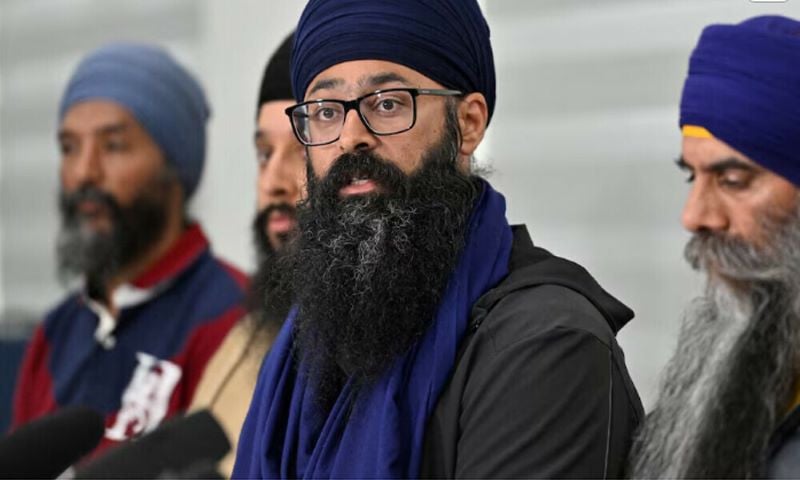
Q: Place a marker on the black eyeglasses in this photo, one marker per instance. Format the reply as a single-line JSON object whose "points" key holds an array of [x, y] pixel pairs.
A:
{"points": [[383, 112]]}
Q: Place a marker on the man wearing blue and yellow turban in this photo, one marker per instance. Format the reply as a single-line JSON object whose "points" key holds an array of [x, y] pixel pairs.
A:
{"points": [[429, 338], [728, 406]]}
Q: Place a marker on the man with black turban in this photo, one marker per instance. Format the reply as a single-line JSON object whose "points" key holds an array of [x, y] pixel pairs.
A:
{"points": [[230, 377], [728, 406], [428, 338]]}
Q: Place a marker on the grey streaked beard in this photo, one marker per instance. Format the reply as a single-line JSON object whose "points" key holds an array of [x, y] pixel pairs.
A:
{"points": [[731, 378]]}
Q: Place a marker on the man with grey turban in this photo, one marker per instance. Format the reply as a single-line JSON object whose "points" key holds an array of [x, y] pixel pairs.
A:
{"points": [[154, 304]]}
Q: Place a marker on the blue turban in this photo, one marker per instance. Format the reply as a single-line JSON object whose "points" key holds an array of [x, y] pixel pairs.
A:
{"points": [[743, 87], [163, 97], [445, 40]]}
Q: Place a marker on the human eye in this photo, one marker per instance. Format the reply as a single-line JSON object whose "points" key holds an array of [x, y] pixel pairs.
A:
{"points": [[685, 169], [324, 113], [389, 103], [262, 156], [735, 179], [115, 144], [67, 147]]}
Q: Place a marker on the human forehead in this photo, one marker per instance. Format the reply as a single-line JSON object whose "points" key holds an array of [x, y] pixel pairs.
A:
{"points": [[97, 116], [702, 153], [357, 77], [272, 116]]}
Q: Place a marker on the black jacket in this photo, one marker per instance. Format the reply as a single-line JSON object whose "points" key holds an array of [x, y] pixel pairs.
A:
{"points": [[540, 388], [783, 457]]}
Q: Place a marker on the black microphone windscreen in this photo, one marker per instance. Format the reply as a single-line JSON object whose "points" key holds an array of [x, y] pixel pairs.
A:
{"points": [[47, 446], [177, 445]]}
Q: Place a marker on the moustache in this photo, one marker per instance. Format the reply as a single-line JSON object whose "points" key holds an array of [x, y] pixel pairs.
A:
{"points": [[731, 257], [260, 225], [69, 202], [262, 218], [283, 207], [359, 165]]}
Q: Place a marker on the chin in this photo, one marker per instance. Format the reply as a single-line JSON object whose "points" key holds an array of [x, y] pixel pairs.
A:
{"points": [[95, 225], [731, 284], [277, 241]]}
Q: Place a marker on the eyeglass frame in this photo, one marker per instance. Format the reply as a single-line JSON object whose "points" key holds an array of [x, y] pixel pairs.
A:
{"points": [[354, 105]]}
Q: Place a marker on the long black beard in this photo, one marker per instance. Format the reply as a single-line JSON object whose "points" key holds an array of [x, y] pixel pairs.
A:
{"points": [[270, 297], [370, 270], [99, 256], [732, 378]]}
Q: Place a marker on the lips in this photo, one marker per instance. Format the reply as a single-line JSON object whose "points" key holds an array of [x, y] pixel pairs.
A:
{"points": [[359, 186], [89, 208], [357, 175], [280, 222]]}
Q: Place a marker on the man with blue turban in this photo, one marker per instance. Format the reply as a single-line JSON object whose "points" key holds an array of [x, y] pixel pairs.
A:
{"points": [[728, 406], [429, 338], [154, 303]]}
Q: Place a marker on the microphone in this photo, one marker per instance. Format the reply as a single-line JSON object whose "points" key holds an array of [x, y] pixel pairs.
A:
{"points": [[47, 446], [176, 448]]}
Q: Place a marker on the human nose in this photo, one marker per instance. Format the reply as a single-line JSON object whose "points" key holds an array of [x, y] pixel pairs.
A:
{"points": [[86, 166], [280, 180], [703, 210], [355, 135]]}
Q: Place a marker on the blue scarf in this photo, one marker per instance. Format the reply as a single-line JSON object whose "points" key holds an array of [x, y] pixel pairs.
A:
{"points": [[381, 435]]}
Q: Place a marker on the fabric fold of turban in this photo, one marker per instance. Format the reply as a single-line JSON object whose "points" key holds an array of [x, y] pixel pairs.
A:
{"points": [[743, 87], [160, 94], [445, 40]]}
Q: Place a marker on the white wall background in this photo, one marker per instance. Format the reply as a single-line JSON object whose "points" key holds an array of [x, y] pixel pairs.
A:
{"points": [[582, 140]]}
